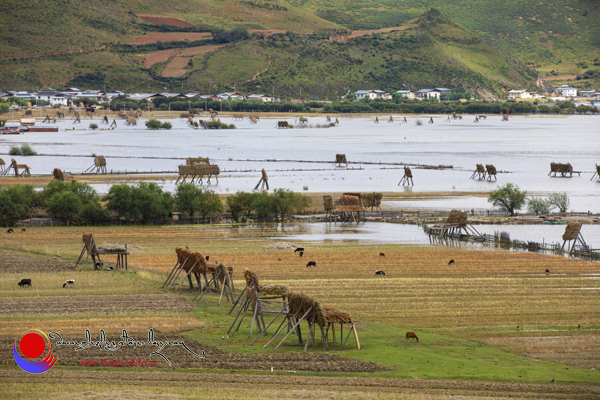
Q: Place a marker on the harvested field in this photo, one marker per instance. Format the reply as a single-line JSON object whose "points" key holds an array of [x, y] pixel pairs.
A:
{"points": [[176, 68], [167, 20], [194, 51], [17, 262], [107, 304], [280, 386], [170, 37], [180, 358], [159, 56]]}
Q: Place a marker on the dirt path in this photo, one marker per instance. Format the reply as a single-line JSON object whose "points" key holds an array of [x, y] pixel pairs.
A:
{"points": [[293, 382]]}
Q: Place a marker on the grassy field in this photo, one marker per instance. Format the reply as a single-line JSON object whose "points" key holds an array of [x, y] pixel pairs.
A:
{"points": [[494, 323]]}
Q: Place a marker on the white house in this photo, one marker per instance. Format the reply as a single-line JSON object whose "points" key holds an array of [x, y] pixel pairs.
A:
{"points": [[234, 96], [567, 91], [519, 94], [428, 94], [587, 93], [46, 94], [58, 99], [443, 90], [260, 97], [408, 94], [361, 94]]}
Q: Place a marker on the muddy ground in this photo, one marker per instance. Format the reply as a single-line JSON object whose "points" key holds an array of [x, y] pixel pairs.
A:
{"points": [[105, 304], [17, 262], [288, 383], [179, 357]]}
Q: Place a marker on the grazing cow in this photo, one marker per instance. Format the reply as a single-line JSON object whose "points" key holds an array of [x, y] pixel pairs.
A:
{"points": [[299, 249], [98, 265], [311, 264], [207, 257], [69, 282], [301, 253], [24, 282], [379, 272], [450, 262], [547, 271], [411, 335], [381, 254], [9, 230], [109, 268], [23, 229]]}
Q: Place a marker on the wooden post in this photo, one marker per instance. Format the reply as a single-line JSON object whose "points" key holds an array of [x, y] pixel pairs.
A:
{"points": [[355, 336], [297, 323], [169, 277]]}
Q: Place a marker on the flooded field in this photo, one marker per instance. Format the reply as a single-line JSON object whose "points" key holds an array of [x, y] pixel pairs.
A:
{"points": [[521, 149]]}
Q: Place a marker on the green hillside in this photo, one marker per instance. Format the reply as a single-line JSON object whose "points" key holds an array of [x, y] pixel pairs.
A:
{"points": [[429, 51]]}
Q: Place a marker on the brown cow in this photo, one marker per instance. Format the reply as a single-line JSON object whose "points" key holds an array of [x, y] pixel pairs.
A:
{"points": [[411, 335]]}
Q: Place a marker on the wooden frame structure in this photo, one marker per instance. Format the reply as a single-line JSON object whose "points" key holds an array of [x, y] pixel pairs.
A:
{"points": [[491, 171], [13, 166], [347, 208], [407, 178], [120, 253], [264, 180], [573, 236], [99, 165], [563, 170], [454, 226], [220, 275], [249, 299], [479, 173], [90, 249], [197, 173], [596, 174]]}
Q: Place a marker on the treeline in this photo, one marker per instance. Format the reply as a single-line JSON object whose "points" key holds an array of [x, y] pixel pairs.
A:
{"points": [[144, 203], [409, 107]]}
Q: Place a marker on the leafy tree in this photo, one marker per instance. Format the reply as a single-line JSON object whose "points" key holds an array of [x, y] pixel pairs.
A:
{"points": [[209, 202], [285, 201], [560, 201], [15, 202], [508, 198], [187, 198], [262, 204], [149, 202], [538, 206], [241, 202], [93, 213], [65, 205], [119, 200], [83, 191], [153, 124]]}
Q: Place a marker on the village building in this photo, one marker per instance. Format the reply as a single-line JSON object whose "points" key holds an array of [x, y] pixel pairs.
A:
{"points": [[260, 97], [407, 94], [567, 91], [424, 94]]}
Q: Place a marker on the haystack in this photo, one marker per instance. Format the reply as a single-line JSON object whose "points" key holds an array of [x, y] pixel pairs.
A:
{"points": [[491, 170], [372, 199], [87, 240], [327, 203], [265, 177], [407, 172], [301, 303], [597, 168], [333, 315], [275, 290], [248, 279], [350, 200], [571, 231], [58, 174], [100, 161], [480, 169], [197, 161], [457, 217], [341, 159]]}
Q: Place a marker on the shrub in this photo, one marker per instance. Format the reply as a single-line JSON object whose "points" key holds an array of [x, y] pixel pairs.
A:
{"points": [[508, 198], [538, 206], [14, 151], [153, 124], [93, 127], [560, 201], [220, 125], [24, 150], [166, 125]]}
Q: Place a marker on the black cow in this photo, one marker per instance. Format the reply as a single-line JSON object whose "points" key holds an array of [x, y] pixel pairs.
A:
{"points": [[381, 254], [301, 253], [311, 264], [9, 230], [299, 249], [207, 257], [25, 282], [450, 262], [379, 272]]}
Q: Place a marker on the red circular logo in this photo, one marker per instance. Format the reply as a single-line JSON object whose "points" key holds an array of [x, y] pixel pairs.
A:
{"points": [[32, 345]]}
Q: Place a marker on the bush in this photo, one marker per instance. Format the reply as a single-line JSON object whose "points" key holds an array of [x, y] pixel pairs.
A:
{"points": [[560, 201], [14, 151], [93, 127], [538, 206], [24, 150], [153, 124], [166, 125], [220, 125]]}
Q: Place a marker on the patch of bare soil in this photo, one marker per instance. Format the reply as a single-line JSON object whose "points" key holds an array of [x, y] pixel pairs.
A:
{"points": [[176, 67], [159, 56], [328, 385], [14, 262], [194, 51], [179, 357], [105, 304], [170, 37]]}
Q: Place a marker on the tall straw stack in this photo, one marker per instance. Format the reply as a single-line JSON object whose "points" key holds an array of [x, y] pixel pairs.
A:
{"points": [[100, 161], [571, 231], [334, 315], [458, 217], [87, 240], [2, 162], [480, 169], [407, 172], [491, 170], [58, 174], [300, 303], [197, 161], [247, 273], [264, 175], [328, 203], [372, 199], [340, 158], [597, 167], [348, 200]]}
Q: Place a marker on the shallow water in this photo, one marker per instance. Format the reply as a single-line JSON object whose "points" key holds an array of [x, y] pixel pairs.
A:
{"points": [[523, 146]]}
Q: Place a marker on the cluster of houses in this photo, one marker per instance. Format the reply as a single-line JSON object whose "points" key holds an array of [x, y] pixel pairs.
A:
{"points": [[565, 92], [422, 94], [73, 95]]}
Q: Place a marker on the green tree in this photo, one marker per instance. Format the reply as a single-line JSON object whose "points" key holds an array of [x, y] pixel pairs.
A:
{"points": [[262, 204], [560, 201], [209, 202], [119, 200], [187, 198], [149, 202], [508, 198], [93, 213], [153, 124], [284, 201], [15, 202], [65, 205], [241, 202]]}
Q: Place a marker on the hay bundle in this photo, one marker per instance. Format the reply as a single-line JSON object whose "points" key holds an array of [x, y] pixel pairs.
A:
{"points": [[248, 279], [348, 200], [223, 271], [192, 257], [264, 175], [208, 169], [58, 174], [480, 169], [109, 248], [597, 167], [2, 162], [188, 169], [333, 315], [352, 194], [340, 158], [131, 121], [458, 217], [87, 240], [407, 172], [100, 161], [197, 161], [328, 203], [300, 303], [372, 199], [571, 231], [275, 290], [491, 170]]}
